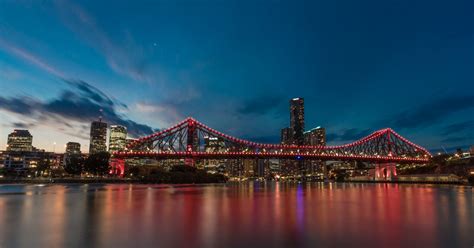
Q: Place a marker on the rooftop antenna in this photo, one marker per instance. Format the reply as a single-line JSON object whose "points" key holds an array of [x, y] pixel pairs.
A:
{"points": [[100, 116]]}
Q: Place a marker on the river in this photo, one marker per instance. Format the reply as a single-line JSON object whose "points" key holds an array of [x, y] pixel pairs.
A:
{"points": [[237, 215]]}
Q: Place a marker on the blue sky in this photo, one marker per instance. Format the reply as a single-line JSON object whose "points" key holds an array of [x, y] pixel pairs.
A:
{"points": [[360, 65]]}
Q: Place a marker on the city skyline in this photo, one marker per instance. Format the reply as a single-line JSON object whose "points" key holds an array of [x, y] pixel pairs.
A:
{"points": [[55, 82]]}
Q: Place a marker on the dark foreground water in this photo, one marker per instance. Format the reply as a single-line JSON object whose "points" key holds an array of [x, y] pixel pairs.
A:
{"points": [[245, 215]]}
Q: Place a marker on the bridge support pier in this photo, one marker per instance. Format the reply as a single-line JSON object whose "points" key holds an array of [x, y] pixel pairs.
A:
{"points": [[117, 167], [385, 171], [190, 162]]}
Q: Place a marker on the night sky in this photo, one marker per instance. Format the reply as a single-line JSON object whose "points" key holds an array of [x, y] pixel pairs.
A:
{"points": [[233, 65]]}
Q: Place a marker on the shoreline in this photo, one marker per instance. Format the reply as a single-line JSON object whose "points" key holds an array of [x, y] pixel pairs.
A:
{"points": [[141, 181]]}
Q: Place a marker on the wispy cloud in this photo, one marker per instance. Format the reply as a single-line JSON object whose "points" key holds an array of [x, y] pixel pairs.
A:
{"points": [[30, 58], [10, 73], [167, 113], [125, 59]]}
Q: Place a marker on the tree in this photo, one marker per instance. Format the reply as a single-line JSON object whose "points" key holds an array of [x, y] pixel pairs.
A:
{"points": [[360, 165], [74, 164], [43, 165], [132, 171], [470, 178], [98, 163]]}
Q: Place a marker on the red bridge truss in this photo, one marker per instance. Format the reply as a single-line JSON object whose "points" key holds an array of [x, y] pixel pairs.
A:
{"points": [[188, 138]]}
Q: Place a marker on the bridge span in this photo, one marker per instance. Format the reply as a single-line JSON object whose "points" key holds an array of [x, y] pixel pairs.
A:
{"points": [[187, 140]]}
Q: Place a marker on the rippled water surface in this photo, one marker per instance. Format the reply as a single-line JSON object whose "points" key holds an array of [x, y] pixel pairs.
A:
{"points": [[236, 215]]}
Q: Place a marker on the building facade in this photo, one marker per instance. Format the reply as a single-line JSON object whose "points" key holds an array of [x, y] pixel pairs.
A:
{"points": [[297, 120], [20, 141], [73, 148], [286, 136], [315, 137], [98, 137], [118, 138]]}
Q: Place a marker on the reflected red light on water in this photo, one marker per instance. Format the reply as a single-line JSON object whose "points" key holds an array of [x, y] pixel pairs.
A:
{"points": [[241, 215]]}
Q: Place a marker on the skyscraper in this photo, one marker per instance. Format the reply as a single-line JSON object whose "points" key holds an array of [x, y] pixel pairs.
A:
{"points": [[315, 137], [297, 120], [286, 134], [20, 141], [98, 138], [118, 138]]}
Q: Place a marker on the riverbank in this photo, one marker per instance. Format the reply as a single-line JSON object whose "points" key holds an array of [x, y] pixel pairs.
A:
{"points": [[151, 181], [68, 180]]}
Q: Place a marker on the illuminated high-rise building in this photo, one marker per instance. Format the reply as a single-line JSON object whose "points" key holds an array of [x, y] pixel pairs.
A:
{"points": [[213, 144], [98, 138], [286, 134], [297, 120], [118, 138], [73, 148], [315, 137], [20, 141]]}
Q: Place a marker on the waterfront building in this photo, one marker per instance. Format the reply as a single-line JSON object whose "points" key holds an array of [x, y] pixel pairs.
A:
{"points": [[297, 120], [248, 167], [260, 168], [73, 148], [2, 159], [286, 136], [315, 137], [22, 160], [213, 144], [118, 138], [98, 137], [20, 141]]}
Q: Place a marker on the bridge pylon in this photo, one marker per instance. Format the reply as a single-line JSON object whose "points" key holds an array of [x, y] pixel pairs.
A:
{"points": [[385, 171]]}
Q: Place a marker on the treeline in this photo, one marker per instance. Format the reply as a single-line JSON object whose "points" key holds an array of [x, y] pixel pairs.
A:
{"points": [[95, 164], [177, 174], [441, 164]]}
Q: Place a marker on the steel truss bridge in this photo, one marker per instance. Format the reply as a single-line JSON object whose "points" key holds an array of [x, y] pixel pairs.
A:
{"points": [[187, 140]]}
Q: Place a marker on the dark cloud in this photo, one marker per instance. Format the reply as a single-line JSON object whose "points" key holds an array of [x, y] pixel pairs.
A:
{"points": [[23, 105], [429, 113], [458, 127], [22, 125], [82, 103], [456, 139], [262, 105], [272, 139], [348, 135]]}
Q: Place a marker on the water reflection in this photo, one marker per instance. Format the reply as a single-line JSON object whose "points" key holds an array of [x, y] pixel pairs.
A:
{"points": [[240, 215]]}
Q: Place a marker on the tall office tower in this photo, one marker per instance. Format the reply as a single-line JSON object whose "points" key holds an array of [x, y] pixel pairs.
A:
{"points": [[315, 137], [98, 138], [297, 120], [286, 136], [20, 141], [73, 148], [118, 138]]}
